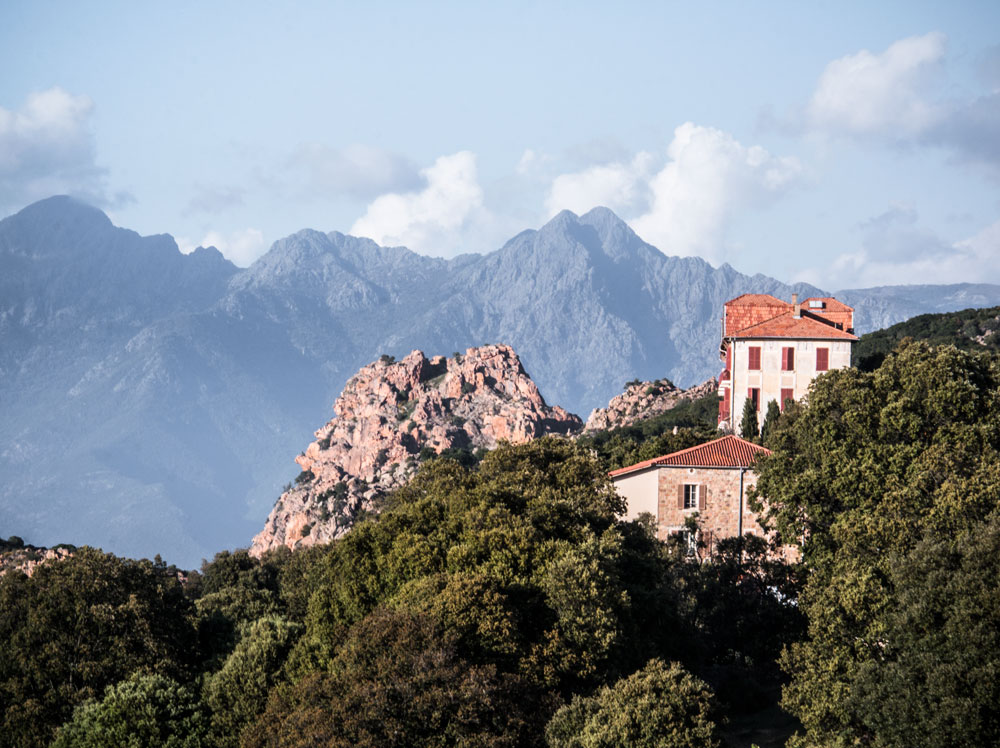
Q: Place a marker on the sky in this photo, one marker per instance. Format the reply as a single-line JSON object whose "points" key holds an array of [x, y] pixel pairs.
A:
{"points": [[847, 144]]}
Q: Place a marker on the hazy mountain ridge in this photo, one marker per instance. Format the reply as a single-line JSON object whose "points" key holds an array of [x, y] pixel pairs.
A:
{"points": [[153, 400]]}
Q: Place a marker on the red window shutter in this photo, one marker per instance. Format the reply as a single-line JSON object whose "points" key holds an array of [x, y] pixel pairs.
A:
{"points": [[702, 497], [729, 357], [680, 496], [754, 357], [753, 393], [786, 394], [787, 359], [822, 359]]}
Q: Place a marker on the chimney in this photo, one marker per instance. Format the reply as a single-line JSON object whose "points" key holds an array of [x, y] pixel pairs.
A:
{"points": [[796, 307]]}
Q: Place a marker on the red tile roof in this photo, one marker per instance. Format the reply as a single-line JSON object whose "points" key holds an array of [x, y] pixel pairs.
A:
{"points": [[751, 309], [729, 451], [787, 326], [749, 314]]}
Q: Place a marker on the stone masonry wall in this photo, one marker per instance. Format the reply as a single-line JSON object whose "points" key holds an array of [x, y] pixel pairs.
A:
{"points": [[719, 517]]}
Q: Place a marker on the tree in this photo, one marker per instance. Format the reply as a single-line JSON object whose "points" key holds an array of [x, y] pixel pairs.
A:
{"points": [[748, 424], [870, 467], [770, 418], [79, 625], [536, 523], [935, 682], [660, 706], [145, 711], [238, 693], [399, 681], [232, 591]]}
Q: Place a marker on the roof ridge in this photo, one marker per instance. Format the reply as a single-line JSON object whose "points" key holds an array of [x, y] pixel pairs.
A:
{"points": [[737, 443]]}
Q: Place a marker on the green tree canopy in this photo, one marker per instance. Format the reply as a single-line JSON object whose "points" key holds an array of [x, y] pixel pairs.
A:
{"points": [[935, 681], [870, 467], [660, 706], [398, 681], [144, 711], [237, 694], [79, 625], [748, 423], [535, 527], [770, 418]]}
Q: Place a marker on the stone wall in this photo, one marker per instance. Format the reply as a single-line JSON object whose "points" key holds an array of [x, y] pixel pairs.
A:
{"points": [[719, 502]]}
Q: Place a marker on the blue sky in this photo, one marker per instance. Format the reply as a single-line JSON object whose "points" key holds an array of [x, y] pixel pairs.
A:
{"points": [[847, 144]]}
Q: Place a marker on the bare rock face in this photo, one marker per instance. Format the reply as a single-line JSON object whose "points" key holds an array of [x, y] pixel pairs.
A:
{"points": [[29, 557], [642, 400], [389, 416]]}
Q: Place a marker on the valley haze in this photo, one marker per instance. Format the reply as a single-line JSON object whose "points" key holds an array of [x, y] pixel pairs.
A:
{"points": [[153, 401]]}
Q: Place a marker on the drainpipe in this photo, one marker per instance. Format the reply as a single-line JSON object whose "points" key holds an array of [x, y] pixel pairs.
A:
{"points": [[740, 519]]}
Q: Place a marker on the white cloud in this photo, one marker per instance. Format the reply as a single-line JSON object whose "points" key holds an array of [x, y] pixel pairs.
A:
{"points": [[623, 187], [446, 217], [685, 204], [902, 95], [46, 148], [881, 94], [241, 247], [358, 171], [896, 250], [709, 178]]}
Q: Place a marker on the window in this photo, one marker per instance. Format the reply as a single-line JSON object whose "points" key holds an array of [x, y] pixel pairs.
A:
{"points": [[786, 395], [690, 497], [822, 359], [754, 351], [753, 393], [787, 358], [689, 541]]}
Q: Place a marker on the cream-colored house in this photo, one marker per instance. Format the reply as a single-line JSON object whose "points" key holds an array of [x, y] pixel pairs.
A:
{"points": [[709, 481], [773, 350]]}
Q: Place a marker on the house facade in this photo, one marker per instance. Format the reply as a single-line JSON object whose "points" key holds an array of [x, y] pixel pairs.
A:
{"points": [[772, 350], [710, 482]]}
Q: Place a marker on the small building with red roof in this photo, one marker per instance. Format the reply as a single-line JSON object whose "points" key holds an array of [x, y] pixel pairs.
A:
{"points": [[773, 349], [709, 482]]}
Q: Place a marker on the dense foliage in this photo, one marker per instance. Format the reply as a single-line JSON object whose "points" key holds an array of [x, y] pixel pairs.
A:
{"points": [[80, 625], [969, 330], [478, 603], [891, 479], [660, 706], [144, 711]]}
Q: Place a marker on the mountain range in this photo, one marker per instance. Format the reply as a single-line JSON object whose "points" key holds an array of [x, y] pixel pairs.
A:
{"points": [[153, 401]]}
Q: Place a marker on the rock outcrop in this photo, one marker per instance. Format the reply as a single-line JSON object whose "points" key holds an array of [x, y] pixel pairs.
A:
{"points": [[27, 558], [642, 400], [390, 416]]}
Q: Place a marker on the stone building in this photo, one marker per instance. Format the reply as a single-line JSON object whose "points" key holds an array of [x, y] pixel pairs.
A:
{"points": [[710, 480], [773, 350]]}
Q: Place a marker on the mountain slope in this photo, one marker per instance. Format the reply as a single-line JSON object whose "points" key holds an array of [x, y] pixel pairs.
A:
{"points": [[152, 400]]}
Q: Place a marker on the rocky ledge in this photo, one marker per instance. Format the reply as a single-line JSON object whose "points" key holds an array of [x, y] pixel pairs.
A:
{"points": [[390, 416], [642, 400], [27, 558]]}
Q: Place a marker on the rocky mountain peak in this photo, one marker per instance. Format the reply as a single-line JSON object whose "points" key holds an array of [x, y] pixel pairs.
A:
{"points": [[393, 414], [642, 400]]}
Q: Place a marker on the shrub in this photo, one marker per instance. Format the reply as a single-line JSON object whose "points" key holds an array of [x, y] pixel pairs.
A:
{"points": [[660, 706]]}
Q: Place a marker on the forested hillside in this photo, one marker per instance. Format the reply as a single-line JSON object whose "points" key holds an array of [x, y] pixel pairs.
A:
{"points": [[503, 604], [969, 330]]}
